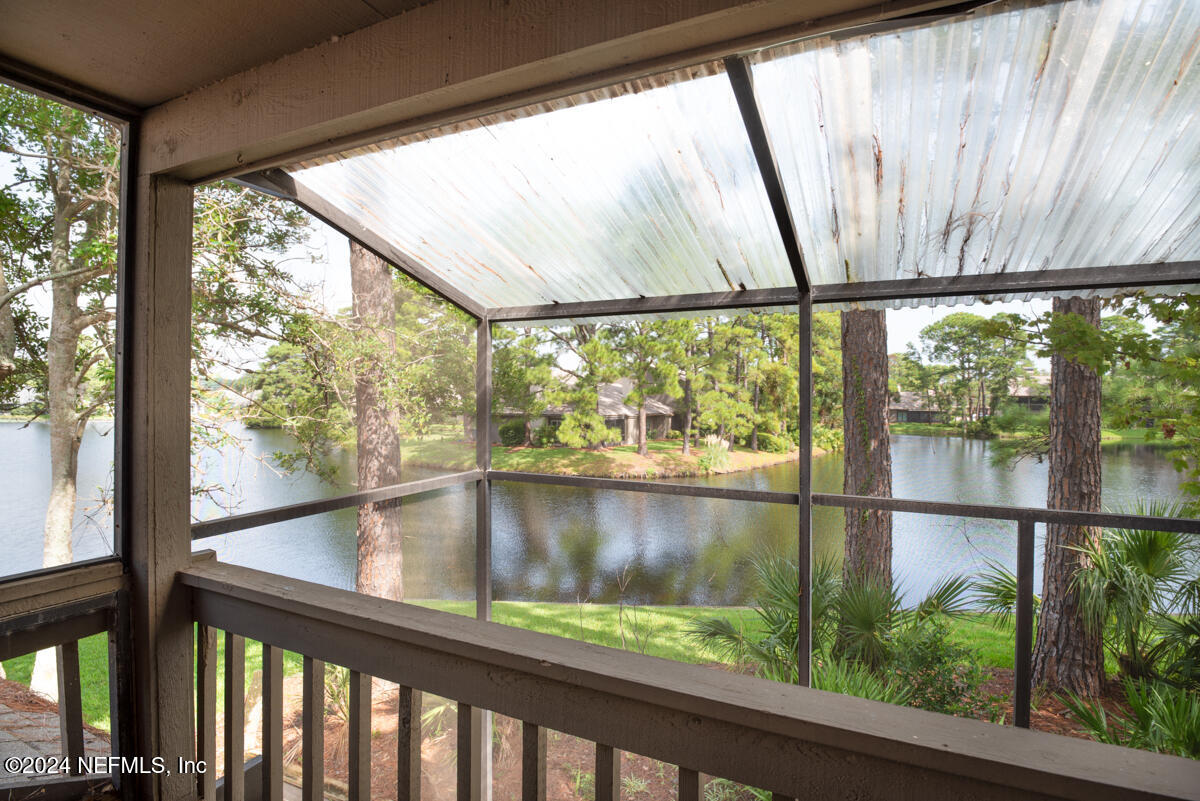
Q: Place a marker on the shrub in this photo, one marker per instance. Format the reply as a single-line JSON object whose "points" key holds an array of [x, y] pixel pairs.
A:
{"points": [[826, 438], [673, 434], [545, 436], [773, 444], [981, 429], [512, 433], [939, 676]]}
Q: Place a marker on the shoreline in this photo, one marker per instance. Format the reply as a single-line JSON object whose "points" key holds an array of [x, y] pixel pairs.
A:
{"points": [[665, 459]]}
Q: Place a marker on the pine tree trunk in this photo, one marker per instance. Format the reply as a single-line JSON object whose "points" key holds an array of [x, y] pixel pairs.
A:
{"points": [[380, 558], [687, 416], [641, 424], [1066, 655], [868, 457]]}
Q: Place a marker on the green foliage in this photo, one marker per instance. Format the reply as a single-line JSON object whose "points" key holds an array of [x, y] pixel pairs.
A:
{"points": [[938, 675], [848, 677], [855, 627], [1177, 653], [1161, 718], [773, 444], [716, 454], [544, 436], [512, 434], [674, 434], [996, 593], [826, 438], [1131, 580]]}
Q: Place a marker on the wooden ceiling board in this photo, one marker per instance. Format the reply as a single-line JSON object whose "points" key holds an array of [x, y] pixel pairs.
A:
{"points": [[145, 52]]}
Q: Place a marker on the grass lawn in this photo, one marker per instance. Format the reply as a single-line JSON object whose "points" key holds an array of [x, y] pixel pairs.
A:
{"points": [[652, 630], [664, 459]]}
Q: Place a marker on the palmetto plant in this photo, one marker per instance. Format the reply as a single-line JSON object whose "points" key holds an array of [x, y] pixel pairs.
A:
{"points": [[853, 622], [1133, 580], [1161, 718], [996, 593]]}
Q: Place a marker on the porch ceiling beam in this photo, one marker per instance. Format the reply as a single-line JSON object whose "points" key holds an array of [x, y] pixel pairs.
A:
{"points": [[280, 184], [746, 298], [742, 81], [451, 60], [1130, 276]]}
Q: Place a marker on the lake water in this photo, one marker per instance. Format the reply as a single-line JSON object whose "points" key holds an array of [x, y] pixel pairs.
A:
{"points": [[567, 544]]}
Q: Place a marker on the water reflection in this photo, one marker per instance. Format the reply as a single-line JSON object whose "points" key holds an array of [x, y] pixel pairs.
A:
{"points": [[567, 544]]}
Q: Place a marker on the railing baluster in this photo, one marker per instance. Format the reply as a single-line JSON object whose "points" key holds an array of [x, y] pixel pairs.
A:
{"points": [[533, 762], [470, 779], [313, 711], [359, 766], [206, 710], [689, 784], [1022, 663], [235, 717], [272, 723], [408, 746], [70, 703], [608, 773]]}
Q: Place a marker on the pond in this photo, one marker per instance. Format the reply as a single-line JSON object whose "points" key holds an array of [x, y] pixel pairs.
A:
{"points": [[567, 544]]}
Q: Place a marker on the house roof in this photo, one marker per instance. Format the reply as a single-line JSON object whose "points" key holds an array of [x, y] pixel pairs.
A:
{"points": [[1032, 386], [913, 402], [612, 402]]}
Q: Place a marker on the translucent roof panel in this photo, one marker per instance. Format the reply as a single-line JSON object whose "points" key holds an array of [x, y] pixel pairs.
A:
{"points": [[1025, 136], [646, 188]]}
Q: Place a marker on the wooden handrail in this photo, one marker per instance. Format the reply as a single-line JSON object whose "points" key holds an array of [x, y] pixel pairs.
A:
{"points": [[793, 741]]}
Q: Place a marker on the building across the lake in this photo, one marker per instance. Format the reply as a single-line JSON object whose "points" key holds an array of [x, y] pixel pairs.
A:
{"points": [[618, 415], [1031, 392], [913, 407]]}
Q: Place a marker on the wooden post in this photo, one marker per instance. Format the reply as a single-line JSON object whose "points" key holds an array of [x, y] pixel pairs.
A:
{"points": [[470, 777], [359, 762], [272, 724], [206, 711], [313, 733], [70, 704], [157, 478], [235, 717], [408, 745], [533, 762], [608, 773], [689, 785]]}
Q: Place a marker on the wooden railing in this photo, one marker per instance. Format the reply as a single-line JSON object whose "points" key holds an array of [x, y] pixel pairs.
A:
{"points": [[792, 741], [56, 609]]}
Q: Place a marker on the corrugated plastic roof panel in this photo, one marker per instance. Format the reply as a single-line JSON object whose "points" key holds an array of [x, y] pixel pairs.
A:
{"points": [[1025, 136], [647, 188]]}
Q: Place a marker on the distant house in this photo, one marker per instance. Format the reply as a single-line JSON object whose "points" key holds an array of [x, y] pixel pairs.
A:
{"points": [[1032, 392], [913, 407], [618, 415]]}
